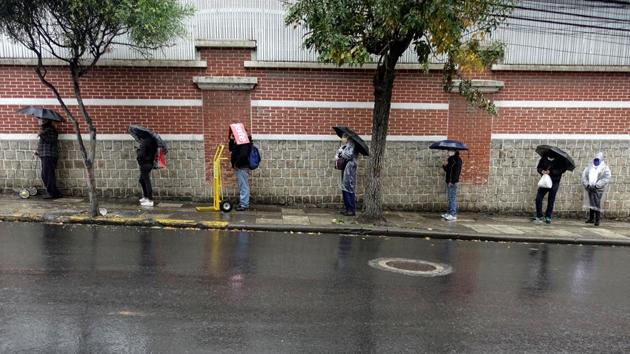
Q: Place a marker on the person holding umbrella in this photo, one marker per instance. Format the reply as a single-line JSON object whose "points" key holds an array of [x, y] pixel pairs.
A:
{"points": [[595, 179], [452, 168], [346, 162], [48, 153], [145, 155], [553, 162], [47, 146]]}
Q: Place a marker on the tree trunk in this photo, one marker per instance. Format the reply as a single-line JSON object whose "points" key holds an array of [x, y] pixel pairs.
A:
{"points": [[87, 159], [383, 85], [90, 155]]}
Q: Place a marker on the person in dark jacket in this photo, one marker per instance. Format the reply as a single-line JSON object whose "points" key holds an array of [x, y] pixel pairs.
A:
{"points": [[146, 157], [48, 152], [550, 165], [452, 168], [239, 158]]}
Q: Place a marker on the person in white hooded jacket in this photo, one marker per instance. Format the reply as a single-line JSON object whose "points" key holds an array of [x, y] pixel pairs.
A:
{"points": [[595, 179]]}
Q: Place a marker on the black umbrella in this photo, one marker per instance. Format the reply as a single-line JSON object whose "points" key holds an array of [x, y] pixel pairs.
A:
{"points": [[448, 145], [545, 150], [41, 113], [139, 132], [361, 146]]}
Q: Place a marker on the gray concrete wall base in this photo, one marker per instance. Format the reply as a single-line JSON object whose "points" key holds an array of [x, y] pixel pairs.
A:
{"points": [[302, 173]]}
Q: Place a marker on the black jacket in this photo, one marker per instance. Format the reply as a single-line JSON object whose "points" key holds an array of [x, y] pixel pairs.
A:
{"points": [[146, 151], [453, 168], [48, 141], [240, 154], [556, 168]]}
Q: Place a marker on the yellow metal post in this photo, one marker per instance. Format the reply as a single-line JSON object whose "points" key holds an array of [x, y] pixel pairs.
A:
{"points": [[216, 175], [216, 180]]}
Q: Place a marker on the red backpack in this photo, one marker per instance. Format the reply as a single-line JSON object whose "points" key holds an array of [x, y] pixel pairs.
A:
{"points": [[160, 159]]}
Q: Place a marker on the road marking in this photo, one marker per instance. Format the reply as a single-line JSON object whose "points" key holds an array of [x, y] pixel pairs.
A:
{"points": [[295, 220], [483, 229], [562, 233], [507, 229], [605, 233]]}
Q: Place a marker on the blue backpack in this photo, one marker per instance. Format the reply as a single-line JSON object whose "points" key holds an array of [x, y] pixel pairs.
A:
{"points": [[253, 158]]}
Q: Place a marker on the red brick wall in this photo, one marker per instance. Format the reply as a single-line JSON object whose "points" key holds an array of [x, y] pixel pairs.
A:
{"points": [[112, 119], [220, 109], [103, 82], [564, 86], [106, 83], [474, 127], [562, 120], [278, 120]]}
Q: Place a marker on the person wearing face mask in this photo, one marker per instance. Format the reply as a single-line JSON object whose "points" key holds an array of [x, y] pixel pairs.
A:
{"points": [[346, 161], [595, 179], [550, 165], [453, 168]]}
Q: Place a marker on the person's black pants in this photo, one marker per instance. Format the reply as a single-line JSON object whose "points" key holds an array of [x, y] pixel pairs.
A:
{"points": [[145, 180], [49, 164], [349, 202], [550, 201]]}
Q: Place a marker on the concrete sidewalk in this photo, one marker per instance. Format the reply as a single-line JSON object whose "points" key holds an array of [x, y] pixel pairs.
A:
{"points": [[470, 226]]}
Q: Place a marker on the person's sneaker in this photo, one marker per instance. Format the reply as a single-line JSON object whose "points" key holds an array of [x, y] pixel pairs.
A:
{"points": [[450, 218], [142, 200], [537, 220], [444, 215], [241, 208], [547, 220], [348, 213], [147, 203]]}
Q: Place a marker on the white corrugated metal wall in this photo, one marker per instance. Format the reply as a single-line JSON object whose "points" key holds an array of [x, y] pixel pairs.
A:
{"points": [[568, 32]]}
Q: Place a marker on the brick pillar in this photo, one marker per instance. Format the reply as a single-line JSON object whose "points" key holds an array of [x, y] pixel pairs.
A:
{"points": [[473, 127], [220, 109]]}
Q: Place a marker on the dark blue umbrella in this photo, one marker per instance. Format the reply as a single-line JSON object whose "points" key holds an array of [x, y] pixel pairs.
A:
{"points": [[41, 113], [448, 145]]}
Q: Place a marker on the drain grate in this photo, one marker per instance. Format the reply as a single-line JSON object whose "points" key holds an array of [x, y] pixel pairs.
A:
{"points": [[413, 267]]}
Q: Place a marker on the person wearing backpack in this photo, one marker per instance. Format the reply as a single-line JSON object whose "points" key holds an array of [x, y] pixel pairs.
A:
{"points": [[239, 157]]}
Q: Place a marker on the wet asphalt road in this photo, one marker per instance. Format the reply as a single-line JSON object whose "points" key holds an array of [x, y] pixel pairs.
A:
{"points": [[68, 289]]}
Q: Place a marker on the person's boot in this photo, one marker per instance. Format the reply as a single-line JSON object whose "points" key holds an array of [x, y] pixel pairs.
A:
{"points": [[591, 216], [598, 217]]}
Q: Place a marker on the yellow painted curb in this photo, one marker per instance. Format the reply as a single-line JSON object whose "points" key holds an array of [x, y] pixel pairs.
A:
{"points": [[121, 220], [215, 224], [79, 218], [204, 208], [168, 222]]}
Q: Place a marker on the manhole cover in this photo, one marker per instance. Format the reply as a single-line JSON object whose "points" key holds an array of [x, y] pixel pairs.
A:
{"points": [[414, 267]]}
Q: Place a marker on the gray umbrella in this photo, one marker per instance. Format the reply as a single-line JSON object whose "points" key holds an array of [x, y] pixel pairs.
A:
{"points": [[41, 113], [139, 132]]}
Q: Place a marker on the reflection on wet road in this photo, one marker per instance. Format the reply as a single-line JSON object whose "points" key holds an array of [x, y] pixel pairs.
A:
{"points": [[115, 289]]}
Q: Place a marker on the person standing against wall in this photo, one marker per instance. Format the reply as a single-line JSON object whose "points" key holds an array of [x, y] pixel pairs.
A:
{"points": [[549, 164], [346, 161], [239, 158], [453, 168], [595, 179], [146, 158], [48, 153]]}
